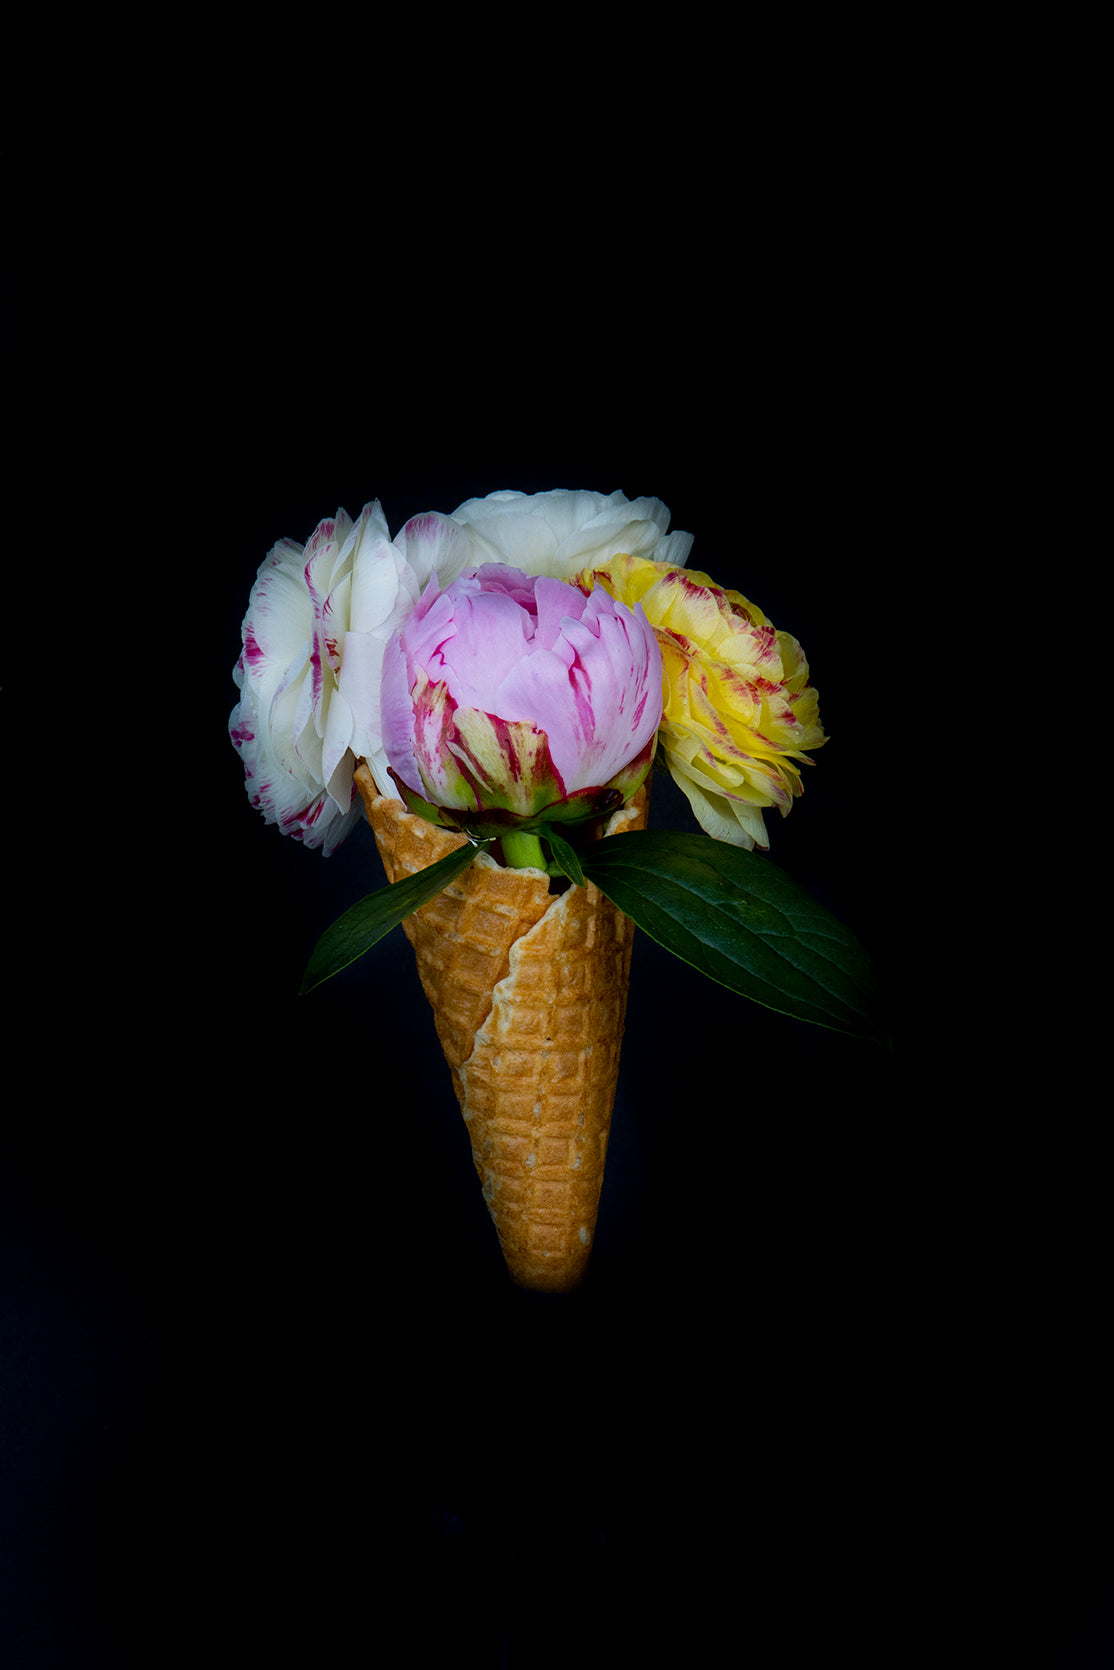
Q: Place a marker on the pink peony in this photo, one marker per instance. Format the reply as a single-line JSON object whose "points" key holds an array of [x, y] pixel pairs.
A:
{"points": [[510, 699]]}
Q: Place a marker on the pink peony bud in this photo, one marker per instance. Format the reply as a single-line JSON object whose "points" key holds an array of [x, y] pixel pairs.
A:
{"points": [[511, 700]]}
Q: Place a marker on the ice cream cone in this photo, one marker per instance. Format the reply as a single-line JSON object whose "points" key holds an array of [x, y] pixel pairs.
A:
{"points": [[529, 993]]}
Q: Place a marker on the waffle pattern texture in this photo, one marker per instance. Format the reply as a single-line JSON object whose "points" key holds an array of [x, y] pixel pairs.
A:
{"points": [[529, 995]]}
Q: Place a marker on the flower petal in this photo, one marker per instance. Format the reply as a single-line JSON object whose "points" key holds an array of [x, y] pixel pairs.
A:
{"points": [[432, 544], [507, 763], [725, 820]]}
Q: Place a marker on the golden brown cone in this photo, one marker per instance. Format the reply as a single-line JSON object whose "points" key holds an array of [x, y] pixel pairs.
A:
{"points": [[529, 995]]}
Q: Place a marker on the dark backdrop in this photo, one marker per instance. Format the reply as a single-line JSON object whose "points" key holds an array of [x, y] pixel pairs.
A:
{"points": [[266, 1379]]}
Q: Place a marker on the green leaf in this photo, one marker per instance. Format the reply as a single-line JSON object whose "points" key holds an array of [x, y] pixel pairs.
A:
{"points": [[360, 927], [565, 857], [743, 922]]}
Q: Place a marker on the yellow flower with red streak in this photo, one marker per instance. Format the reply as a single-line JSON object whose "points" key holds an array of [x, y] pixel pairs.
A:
{"points": [[739, 712]]}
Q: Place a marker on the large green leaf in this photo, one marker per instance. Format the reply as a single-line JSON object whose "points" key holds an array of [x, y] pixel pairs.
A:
{"points": [[360, 927], [743, 922]]}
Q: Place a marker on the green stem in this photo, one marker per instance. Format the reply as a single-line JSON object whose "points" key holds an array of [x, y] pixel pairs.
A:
{"points": [[522, 849]]}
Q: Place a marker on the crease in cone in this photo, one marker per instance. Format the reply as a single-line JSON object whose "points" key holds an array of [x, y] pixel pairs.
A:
{"points": [[529, 991]]}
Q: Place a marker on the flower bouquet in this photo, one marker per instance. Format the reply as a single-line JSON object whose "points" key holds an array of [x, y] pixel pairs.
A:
{"points": [[492, 688]]}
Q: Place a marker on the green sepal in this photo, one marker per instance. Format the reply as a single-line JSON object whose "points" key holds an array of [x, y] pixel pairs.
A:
{"points": [[743, 922], [374, 916]]}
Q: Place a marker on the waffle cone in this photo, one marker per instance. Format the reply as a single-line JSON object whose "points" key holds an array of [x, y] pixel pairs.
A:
{"points": [[529, 994]]}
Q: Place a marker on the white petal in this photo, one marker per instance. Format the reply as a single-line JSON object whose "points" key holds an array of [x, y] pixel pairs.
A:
{"points": [[335, 746], [384, 589], [370, 526], [361, 672], [338, 829], [377, 765], [435, 544], [674, 549]]}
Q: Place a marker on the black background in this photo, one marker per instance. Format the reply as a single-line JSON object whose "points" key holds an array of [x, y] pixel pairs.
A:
{"points": [[266, 1380]]}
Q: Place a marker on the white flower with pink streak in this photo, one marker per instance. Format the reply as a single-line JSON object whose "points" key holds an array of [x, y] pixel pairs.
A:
{"points": [[310, 610]]}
